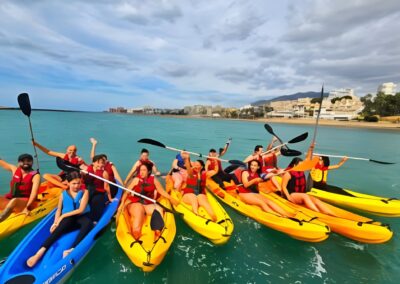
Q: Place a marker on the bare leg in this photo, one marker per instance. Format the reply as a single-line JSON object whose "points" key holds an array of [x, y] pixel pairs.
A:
{"points": [[67, 252], [203, 201], [253, 199], [31, 262], [275, 206], [322, 207], [136, 211], [14, 205], [304, 199], [191, 199]]}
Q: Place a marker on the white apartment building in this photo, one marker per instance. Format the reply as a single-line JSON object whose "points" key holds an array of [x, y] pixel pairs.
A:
{"points": [[387, 88]]}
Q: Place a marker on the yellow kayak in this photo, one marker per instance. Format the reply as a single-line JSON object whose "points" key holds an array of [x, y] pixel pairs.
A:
{"points": [[217, 232], [47, 200], [348, 224], [383, 206], [147, 252], [301, 226]]}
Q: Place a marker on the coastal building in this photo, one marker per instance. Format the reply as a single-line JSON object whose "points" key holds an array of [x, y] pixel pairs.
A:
{"points": [[341, 93], [387, 88], [118, 110]]}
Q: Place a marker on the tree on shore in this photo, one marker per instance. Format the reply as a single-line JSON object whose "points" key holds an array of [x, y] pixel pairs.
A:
{"points": [[381, 104]]}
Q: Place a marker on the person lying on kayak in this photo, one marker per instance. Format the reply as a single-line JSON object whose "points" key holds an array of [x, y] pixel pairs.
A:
{"points": [[70, 156], [99, 190], [72, 213], [270, 163], [179, 172], [109, 167], [24, 187], [319, 173], [194, 193], [294, 188], [249, 192], [148, 185], [144, 159], [221, 176]]}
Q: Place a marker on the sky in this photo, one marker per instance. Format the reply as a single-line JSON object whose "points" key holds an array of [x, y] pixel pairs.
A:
{"points": [[92, 55]]}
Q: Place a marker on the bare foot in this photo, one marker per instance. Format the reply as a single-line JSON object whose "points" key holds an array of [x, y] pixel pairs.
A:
{"points": [[31, 262], [136, 235], [67, 252]]}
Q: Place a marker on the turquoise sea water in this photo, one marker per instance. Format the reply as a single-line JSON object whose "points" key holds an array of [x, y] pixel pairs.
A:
{"points": [[254, 254]]}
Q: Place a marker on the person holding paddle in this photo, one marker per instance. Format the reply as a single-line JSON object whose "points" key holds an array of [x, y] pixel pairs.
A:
{"points": [[24, 187], [144, 159], [194, 193], [294, 187], [70, 156], [148, 185], [72, 213], [109, 167], [319, 173]]}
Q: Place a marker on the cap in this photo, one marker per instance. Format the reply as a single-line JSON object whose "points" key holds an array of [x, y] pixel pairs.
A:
{"points": [[25, 156]]}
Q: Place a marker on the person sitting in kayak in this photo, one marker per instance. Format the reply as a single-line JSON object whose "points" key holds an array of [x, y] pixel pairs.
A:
{"points": [[270, 163], [294, 188], [24, 187], [249, 192], [258, 149], [179, 173], [221, 176], [144, 159], [99, 190], [72, 214], [194, 193], [70, 156], [148, 185], [109, 167], [320, 172]]}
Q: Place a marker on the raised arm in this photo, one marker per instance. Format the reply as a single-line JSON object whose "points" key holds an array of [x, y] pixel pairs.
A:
{"points": [[334, 167], [225, 149], [47, 151], [271, 144], [93, 150], [7, 166]]}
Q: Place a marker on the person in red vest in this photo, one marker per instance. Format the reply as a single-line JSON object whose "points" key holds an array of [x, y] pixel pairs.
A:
{"points": [[144, 159], [24, 187], [70, 156], [109, 167]]}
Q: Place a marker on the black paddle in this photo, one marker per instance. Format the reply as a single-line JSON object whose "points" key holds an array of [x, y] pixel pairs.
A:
{"points": [[285, 150], [356, 158], [159, 144], [25, 106], [156, 221], [297, 139]]}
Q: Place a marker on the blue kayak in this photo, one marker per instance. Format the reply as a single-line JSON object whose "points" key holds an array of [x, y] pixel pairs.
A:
{"points": [[52, 268]]}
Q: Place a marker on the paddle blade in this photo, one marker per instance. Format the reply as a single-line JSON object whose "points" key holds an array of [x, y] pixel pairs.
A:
{"points": [[269, 129], [381, 162], [231, 168], [66, 166], [299, 138], [151, 142], [237, 162], [156, 221], [24, 103], [290, 152]]}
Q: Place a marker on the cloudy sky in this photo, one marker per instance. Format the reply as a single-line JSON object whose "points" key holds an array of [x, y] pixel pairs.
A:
{"points": [[91, 55]]}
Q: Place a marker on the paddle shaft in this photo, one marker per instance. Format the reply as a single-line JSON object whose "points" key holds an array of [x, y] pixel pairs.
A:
{"points": [[272, 149], [318, 115], [196, 154], [338, 156], [34, 147]]}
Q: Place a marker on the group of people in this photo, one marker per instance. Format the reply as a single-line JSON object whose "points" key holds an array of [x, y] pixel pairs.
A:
{"points": [[82, 203]]}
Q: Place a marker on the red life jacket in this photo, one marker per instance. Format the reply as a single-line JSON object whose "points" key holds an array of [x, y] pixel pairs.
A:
{"points": [[21, 186], [98, 184], [213, 163], [109, 170], [270, 161], [142, 162], [145, 187], [252, 188], [297, 182], [196, 185], [75, 161]]}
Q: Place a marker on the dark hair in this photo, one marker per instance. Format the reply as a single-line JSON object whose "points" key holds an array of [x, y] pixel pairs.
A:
{"points": [[144, 150], [212, 150], [97, 158], [258, 163], [257, 148], [148, 166], [202, 164], [73, 175], [294, 162], [25, 156], [326, 161], [104, 156]]}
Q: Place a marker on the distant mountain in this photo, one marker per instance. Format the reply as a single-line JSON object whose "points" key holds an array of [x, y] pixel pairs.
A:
{"points": [[290, 97]]}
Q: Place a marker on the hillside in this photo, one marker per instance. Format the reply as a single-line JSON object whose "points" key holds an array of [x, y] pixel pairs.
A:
{"points": [[290, 97]]}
